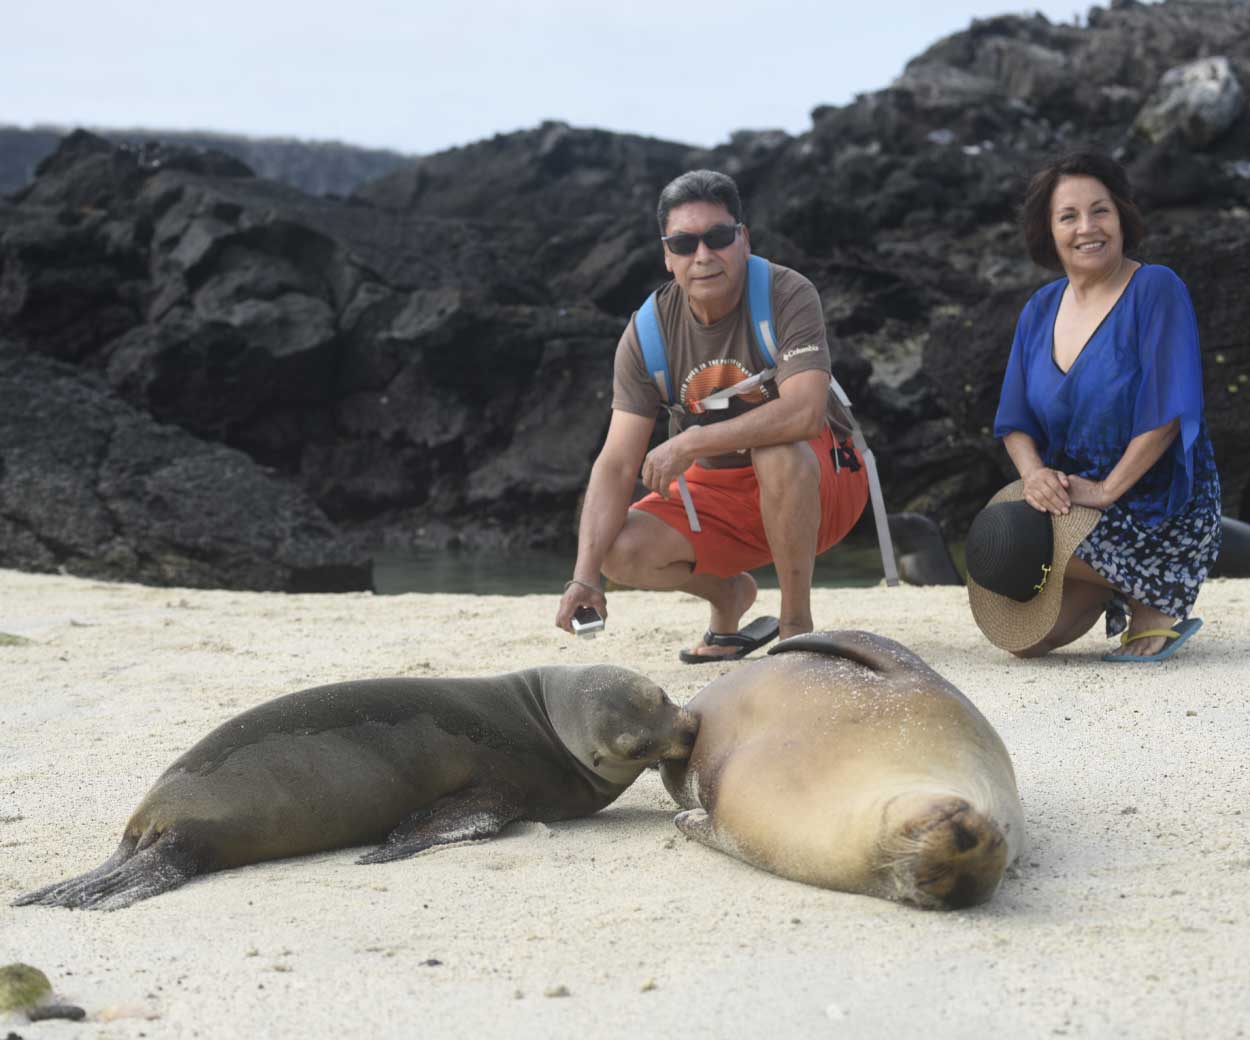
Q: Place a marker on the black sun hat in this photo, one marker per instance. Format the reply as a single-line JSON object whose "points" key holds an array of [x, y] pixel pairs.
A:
{"points": [[1016, 557]]}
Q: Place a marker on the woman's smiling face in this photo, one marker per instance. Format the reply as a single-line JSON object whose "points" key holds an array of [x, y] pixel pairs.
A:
{"points": [[1085, 224]]}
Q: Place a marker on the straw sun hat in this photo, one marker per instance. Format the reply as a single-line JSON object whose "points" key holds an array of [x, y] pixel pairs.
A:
{"points": [[1016, 557]]}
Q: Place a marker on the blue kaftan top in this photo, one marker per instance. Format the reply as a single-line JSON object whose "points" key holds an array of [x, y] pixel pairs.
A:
{"points": [[1139, 370]]}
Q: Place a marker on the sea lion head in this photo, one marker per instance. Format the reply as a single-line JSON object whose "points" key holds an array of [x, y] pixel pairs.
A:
{"points": [[616, 722], [946, 855]]}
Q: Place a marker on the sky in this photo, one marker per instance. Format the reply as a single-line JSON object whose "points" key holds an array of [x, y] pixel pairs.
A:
{"points": [[418, 77]]}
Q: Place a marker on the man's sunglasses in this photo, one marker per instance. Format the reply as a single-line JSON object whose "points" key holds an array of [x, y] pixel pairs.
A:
{"points": [[718, 236]]}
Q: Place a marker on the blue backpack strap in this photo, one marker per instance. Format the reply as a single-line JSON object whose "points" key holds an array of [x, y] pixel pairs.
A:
{"points": [[651, 339], [760, 301]]}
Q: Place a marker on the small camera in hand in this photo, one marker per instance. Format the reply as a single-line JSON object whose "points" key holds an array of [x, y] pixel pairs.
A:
{"points": [[586, 621]]}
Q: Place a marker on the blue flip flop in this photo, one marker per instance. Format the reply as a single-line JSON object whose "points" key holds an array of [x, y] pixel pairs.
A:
{"points": [[1174, 636]]}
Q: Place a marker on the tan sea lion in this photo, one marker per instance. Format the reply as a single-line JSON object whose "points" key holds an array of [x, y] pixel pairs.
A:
{"points": [[843, 760], [410, 763]]}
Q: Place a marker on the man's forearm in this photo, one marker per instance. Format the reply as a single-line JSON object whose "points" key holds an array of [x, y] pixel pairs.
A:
{"points": [[777, 422], [603, 515]]}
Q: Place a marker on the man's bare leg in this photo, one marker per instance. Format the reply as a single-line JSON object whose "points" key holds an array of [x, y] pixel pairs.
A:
{"points": [[649, 554], [789, 480]]}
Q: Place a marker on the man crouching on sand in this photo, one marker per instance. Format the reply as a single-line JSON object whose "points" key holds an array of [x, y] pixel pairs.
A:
{"points": [[773, 477]]}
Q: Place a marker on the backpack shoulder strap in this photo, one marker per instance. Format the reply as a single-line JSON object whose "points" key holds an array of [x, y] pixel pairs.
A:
{"points": [[760, 301], [651, 339]]}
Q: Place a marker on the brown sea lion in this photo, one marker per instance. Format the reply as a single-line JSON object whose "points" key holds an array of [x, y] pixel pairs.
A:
{"points": [[410, 763], [843, 760]]}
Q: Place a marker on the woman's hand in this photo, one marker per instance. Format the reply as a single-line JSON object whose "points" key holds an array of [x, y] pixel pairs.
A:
{"points": [[1090, 493], [1046, 490]]}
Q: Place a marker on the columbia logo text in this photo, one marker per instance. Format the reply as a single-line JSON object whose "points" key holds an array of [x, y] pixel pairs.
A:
{"points": [[794, 352]]}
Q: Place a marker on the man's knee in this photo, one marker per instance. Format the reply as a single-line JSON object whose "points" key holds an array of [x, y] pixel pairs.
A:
{"points": [[643, 544], [786, 467]]}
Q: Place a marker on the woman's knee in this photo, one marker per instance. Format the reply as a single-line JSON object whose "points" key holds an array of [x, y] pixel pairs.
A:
{"points": [[1036, 650]]}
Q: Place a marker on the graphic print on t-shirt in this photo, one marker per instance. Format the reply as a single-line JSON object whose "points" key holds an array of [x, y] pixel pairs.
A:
{"points": [[720, 374]]}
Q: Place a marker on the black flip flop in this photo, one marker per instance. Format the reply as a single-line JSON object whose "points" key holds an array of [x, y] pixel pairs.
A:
{"points": [[760, 631]]}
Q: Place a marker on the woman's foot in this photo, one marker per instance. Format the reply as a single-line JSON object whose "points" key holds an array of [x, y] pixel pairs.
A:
{"points": [[1144, 619]]}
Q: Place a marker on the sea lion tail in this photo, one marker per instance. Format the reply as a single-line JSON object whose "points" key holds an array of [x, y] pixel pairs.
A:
{"points": [[124, 878], [949, 856]]}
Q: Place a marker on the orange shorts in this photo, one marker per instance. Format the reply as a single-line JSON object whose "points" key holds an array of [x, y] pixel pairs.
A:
{"points": [[728, 504]]}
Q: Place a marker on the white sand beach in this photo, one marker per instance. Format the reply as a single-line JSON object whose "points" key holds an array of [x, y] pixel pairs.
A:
{"points": [[1128, 915]]}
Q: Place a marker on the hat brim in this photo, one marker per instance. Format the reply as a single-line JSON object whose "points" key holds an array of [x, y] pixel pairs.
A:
{"points": [[1016, 626]]}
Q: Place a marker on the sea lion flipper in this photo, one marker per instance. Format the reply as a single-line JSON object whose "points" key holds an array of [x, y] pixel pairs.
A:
{"points": [[124, 878], [697, 824], [881, 655], [472, 815]]}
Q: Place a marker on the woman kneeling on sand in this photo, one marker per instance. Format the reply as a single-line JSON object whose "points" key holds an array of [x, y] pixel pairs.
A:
{"points": [[1117, 509]]}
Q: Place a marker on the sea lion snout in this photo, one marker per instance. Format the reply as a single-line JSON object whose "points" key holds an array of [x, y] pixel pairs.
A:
{"points": [[673, 739], [685, 731], [951, 856]]}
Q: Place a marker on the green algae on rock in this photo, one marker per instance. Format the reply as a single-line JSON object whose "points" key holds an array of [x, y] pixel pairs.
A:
{"points": [[22, 987]]}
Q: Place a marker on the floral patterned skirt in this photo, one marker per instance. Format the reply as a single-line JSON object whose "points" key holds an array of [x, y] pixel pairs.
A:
{"points": [[1162, 566]]}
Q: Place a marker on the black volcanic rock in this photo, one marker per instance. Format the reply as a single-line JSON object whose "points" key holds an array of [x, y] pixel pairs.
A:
{"points": [[315, 167], [90, 485], [428, 363], [556, 172]]}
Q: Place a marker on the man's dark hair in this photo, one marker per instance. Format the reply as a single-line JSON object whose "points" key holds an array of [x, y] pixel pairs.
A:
{"points": [[1035, 214], [698, 186]]}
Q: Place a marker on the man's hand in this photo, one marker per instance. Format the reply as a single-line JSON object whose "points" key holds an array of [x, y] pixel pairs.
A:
{"points": [[1090, 493], [666, 463], [580, 594], [1046, 490]]}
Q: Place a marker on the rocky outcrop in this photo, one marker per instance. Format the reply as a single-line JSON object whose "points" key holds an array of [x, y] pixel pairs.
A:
{"points": [[429, 362], [95, 487], [1199, 101], [315, 167]]}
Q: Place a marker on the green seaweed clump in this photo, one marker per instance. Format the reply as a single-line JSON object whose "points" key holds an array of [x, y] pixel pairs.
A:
{"points": [[22, 987]]}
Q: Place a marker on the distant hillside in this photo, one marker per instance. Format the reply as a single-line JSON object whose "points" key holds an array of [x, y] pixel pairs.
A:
{"points": [[315, 167]]}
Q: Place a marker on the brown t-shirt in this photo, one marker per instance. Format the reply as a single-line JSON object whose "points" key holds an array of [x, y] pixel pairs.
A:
{"points": [[705, 358]]}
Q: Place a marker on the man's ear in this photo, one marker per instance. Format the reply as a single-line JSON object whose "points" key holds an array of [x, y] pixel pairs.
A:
{"points": [[668, 260], [746, 239]]}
